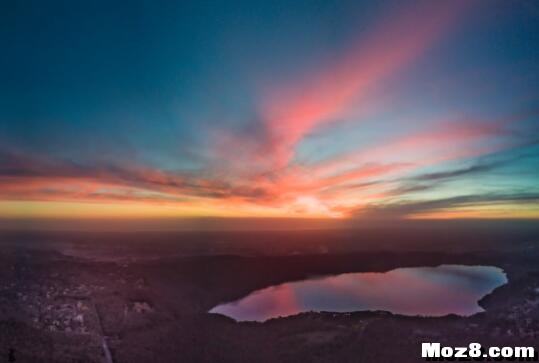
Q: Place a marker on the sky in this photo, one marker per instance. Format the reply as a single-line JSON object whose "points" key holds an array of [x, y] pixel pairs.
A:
{"points": [[337, 110]]}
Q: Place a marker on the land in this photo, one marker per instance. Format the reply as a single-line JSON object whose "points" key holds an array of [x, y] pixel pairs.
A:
{"points": [[144, 297]]}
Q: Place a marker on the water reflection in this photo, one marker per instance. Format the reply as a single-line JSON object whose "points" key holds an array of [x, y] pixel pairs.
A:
{"points": [[427, 291]]}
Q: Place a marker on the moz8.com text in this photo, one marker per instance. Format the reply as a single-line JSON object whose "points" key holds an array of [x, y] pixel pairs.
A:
{"points": [[434, 352]]}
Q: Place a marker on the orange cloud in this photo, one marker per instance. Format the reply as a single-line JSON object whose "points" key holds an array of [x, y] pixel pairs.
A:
{"points": [[328, 189]]}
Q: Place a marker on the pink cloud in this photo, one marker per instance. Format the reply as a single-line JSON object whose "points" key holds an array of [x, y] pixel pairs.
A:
{"points": [[295, 110]]}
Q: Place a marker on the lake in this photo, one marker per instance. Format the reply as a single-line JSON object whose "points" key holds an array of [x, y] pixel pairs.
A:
{"points": [[414, 291]]}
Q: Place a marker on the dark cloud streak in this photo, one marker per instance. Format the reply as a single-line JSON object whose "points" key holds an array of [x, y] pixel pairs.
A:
{"points": [[406, 208]]}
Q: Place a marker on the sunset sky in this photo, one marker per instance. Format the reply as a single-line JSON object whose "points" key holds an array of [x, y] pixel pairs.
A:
{"points": [[360, 110]]}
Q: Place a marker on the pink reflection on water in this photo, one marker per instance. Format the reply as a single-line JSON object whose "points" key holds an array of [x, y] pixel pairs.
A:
{"points": [[427, 291]]}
